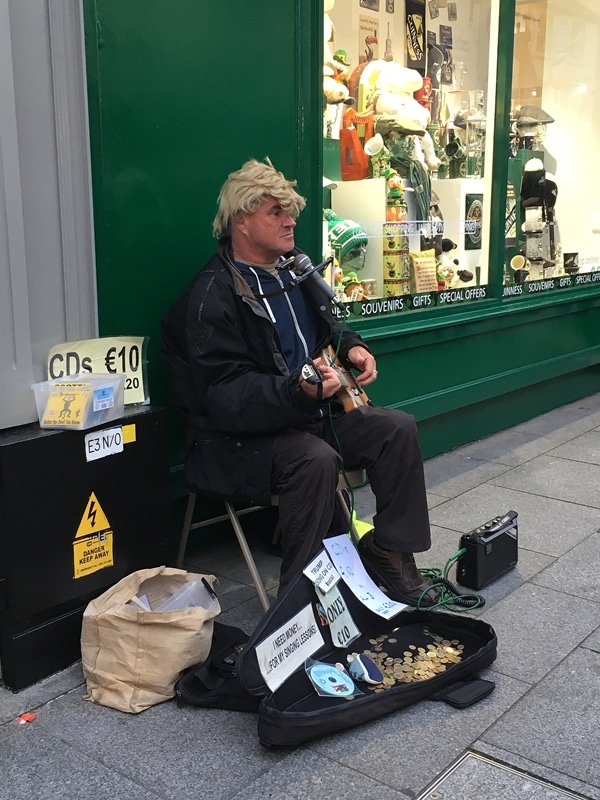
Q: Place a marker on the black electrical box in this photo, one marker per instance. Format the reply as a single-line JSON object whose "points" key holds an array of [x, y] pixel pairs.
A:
{"points": [[79, 510], [492, 550]]}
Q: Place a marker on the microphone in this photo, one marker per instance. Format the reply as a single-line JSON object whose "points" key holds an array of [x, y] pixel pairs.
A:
{"points": [[304, 268]]}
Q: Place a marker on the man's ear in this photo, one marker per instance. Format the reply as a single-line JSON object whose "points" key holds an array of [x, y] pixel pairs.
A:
{"points": [[238, 224]]}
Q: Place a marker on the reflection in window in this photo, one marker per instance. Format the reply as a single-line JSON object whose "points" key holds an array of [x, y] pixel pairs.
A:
{"points": [[553, 213]]}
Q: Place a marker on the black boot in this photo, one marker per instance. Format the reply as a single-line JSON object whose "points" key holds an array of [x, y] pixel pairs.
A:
{"points": [[397, 573]]}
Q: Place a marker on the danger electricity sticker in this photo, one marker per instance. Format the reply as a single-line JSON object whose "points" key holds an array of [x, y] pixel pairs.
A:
{"points": [[93, 545]]}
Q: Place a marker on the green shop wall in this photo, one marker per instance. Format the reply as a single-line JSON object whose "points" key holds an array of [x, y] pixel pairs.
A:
{"points": [[180, 94]]}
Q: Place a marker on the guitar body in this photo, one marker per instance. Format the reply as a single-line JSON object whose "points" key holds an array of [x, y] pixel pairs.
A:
{"points": [[350, 393]]}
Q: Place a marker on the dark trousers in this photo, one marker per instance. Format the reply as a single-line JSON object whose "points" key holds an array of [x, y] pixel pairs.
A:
{"points": [[305, 473]]}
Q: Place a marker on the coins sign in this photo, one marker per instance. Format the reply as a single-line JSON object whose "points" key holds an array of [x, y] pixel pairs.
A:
{"points": [[344, 636]]}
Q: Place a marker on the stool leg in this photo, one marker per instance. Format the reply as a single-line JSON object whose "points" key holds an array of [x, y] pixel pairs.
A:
{"points": [[260, 589], [347, 516], [185, 531]]}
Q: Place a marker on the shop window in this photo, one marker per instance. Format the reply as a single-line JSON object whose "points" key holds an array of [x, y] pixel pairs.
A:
{"points": [[406, 127], [553, 214]]}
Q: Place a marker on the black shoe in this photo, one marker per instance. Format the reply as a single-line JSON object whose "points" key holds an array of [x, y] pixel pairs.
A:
{"points": [[397, 573]]}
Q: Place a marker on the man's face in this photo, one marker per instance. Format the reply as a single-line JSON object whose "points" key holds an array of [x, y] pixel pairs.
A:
{"points": [[264, 235]]}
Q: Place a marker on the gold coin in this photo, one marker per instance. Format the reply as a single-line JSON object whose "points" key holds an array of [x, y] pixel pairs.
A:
{"points": [[412, 646], [372, 641]]}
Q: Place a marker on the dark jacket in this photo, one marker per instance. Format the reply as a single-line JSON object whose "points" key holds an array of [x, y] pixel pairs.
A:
{"points": [[231, 382]]}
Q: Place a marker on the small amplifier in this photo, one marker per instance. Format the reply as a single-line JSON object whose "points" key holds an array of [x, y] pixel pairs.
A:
{"points": [[492, 550]]}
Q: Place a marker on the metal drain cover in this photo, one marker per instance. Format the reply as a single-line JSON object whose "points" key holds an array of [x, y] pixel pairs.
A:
{"points": [[480, 778]]}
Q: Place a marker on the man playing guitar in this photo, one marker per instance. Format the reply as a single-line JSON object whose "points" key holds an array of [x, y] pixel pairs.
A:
{"points": [[236, 344]]}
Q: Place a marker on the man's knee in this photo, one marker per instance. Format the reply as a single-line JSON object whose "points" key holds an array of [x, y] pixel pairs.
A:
{"points": [[321, 459], [393, 420], [306, 460]]}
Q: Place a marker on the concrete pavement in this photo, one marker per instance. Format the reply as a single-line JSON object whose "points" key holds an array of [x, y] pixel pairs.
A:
{"points": [[536, 735]]}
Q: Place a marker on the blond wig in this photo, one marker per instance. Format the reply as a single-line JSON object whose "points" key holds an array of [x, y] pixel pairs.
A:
{"points": [[245, 189]]}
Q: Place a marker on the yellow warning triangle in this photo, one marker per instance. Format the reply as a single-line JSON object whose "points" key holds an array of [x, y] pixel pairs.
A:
{"points": [[93, 519]]}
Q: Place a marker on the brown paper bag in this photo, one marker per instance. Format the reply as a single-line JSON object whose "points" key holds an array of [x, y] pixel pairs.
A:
{"points": [[131, 657]]}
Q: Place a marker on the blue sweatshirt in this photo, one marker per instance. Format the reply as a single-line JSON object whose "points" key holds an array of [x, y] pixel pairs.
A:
{"points": [[294, 318]]}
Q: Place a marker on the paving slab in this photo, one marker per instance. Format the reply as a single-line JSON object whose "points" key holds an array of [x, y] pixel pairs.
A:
{"points": [[364, 502], [305, 775], [435, 499], [453, 473], [407, 749], [560, 426], [575, 573], [509, 447], [225, 559], [474, 775], [13, 704], [549, 476], [556, 723], [551, 526], [173, 752], [593, 641], [584, 448], [36, 765], [247, 615], [536, 627]]}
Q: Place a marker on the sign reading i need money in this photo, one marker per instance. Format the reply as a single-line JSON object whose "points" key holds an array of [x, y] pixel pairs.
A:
{"points": [[106, 355]]}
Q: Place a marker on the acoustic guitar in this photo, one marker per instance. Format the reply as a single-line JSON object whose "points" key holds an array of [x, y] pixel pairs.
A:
{"points": [[350, 393]]}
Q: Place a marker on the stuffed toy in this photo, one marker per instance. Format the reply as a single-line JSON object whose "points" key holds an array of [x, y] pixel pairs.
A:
{"points": [[393, 100], [334, 92], [346, 238], [446, 264], [341, 66]]}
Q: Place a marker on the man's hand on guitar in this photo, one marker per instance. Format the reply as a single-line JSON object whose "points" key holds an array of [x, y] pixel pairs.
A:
{"points": [[365, 362], [330, 385]]}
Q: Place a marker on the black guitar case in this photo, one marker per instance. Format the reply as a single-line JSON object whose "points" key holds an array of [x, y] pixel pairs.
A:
{"points": [[295, 713]]}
